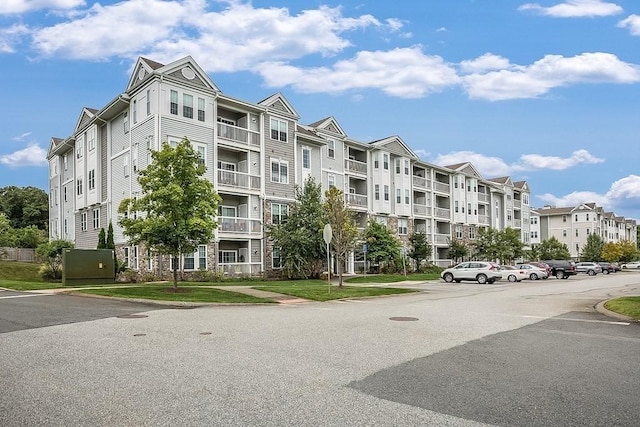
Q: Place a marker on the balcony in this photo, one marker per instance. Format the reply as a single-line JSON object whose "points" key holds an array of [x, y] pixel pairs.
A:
{"points": [[359, 200], [517, 203], [421, 210], [441, 239], [355, 166], [517, 223], [238, 135], [420, 182], [483, 197], [484, 219], [442, 187], [238, 180], [240, 269], [236, 225], [442, 213]]}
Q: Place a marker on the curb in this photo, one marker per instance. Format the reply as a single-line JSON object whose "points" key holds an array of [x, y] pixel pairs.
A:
{"points": [[600, 308]]}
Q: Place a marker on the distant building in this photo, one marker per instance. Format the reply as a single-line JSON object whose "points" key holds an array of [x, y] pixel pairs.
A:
{"points": [[256, 154]]}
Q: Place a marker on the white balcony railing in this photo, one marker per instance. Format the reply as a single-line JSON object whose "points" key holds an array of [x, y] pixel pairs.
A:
{"points": [[484, 219], [239, 135], [482, 197], [355, 166], [235, 225], [442, 213], [238, 180], [441, 239], [442, 187], [422, 210], [240, 268], [421, 182], [517, 203], [356, 199], [517, 223]]}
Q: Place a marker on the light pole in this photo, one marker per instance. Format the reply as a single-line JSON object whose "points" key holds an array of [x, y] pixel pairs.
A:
{"points": [[327, 235]]}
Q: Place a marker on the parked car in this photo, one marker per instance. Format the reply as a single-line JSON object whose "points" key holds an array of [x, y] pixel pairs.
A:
{"points": [[591, 268], [513, 274], [534, 272], [634, 264], [541, 265], [561, 269], [608, 267], [477, 271]]}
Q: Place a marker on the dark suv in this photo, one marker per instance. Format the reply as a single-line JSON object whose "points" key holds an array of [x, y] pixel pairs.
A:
{"points": [[561, 269], [607, 267]]}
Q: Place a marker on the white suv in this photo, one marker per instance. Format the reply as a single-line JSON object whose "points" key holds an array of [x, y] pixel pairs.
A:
{"points": [[477, 271]]}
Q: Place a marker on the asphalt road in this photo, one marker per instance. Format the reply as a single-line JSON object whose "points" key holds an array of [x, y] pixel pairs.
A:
{"points": [[532, 353]]}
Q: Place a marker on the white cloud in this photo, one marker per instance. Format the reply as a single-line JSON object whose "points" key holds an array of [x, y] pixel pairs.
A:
{"points": [[22, 6], [11, 36], [484, 63], [21, 137], [402, 72], [632, 23], [550, 72], [489, 167], [33, 155], [536, 161], [574, 199], [575, 9]]}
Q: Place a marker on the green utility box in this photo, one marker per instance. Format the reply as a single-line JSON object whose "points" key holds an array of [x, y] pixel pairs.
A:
{"points": [[87, 266]]}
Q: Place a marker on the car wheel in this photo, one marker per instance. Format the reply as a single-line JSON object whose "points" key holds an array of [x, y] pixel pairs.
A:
{"points": [[533, 276], [482, 279], [605, 271], [591, 272], [559, 275], [491, 281], [448, 277], [512, 278]]}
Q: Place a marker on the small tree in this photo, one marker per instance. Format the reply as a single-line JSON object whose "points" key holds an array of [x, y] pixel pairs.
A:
{"points": [[552, 248], [51, 253], [487, 245], [420, 248], [102, 239], [592, 249], [611, 252], [510, 247], [343, 226], [177, 208], [382, 245], [457, 250]]}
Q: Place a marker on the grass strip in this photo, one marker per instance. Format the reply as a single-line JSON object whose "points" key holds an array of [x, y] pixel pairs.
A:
{"points": [[318, 292], [20, 271], [166, 293], [18, 285], [628, 306], [392, 278]]}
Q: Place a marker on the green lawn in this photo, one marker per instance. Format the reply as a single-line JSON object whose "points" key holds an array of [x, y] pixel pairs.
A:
{"points": [[320, 292], [27, 286], [165, 293], [629, 306], [20, 271], [392, 278]]}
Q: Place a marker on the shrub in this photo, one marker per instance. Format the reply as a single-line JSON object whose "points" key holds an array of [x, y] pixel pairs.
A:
{"points": [[206, 276]]}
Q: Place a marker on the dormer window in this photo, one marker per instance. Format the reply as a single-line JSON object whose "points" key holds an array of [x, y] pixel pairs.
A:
{"points": [[279, 130]]}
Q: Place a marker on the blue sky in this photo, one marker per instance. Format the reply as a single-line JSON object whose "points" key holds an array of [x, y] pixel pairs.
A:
{"points": [[546, 92]]}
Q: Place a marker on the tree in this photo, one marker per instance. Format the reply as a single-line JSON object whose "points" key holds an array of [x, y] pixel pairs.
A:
{"points": [[457, 249], [29, 237], [110, 243], [592, 249], [629, 251], [420, 248], [177, 206], [345, 232], [552, 248], [7, 233], [487, 244], [51, 253], [611, 252], [381, 243], [299, 236], [25, 206], [102, 239], [510, 247]]}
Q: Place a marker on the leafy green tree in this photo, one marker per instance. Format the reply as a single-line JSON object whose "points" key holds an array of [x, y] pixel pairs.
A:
{"points": [[629, 251], [457, 250], [552, 248], [177, 207], [345, 232], [299, 237], [509, 245], [51, 253], [29, 237], [25, 206], [420, 249], [110, 243], [592, 249], [611, 252], [533, 254], [7, 232], [382, 245], [487, 244], [102, 239]]}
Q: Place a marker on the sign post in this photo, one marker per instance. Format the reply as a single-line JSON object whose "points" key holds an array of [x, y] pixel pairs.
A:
{"points": [[404, 266], [327, 235], [364, 251]]}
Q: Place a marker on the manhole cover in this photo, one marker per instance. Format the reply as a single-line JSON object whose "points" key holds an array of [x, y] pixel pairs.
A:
{"points": [[403, 319], [132, 316]]}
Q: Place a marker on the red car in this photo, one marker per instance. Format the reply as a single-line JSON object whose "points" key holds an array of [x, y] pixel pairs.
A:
{"points": [[542, 265]]}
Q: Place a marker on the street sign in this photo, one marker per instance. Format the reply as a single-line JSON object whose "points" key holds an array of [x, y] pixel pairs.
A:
{"points": [[327, 234], [364, 248]]}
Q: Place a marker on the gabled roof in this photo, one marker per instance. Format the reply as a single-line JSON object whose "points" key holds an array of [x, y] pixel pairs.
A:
{"points": [[504, 180], [395, 145], [185, 69], [548, 211], [279, 103], [466, 168], [85, 116], [54, 145], [585, 207], [329, 124], [309, 135], [521, 185]]}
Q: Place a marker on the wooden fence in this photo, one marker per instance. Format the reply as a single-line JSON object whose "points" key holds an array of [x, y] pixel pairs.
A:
{"points": [[18, 254]]}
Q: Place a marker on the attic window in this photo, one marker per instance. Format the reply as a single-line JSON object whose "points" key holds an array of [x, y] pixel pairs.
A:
{"points": [[188, 73]]}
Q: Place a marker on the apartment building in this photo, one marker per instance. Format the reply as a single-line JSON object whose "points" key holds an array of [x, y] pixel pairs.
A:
{"points": [[573, 225], [255, 154]]}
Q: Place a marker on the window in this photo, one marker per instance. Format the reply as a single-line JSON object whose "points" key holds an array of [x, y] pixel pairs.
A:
{"points": [[150, 257], [587, 217], [202, 154], [456, 207], [66, 226], [280, 171], [564, 233], [588, 231], [125, 122], [534, 234], [188, 262], [406, 167], [276, 258], [376, 160], [174, 102], [469, 208], [455, 182], [306, 158], [406, 197], [187, 106], [79, 187], [402, 226], [576, 218], [534, 220], [564, 218], [332, 180], [126, 257], [134, 158], [96, 219], [202, 257], [398, 196], [376, 192], [201, 109], [79, 150], [459, 231], [92, 180], [331, 149], [64, 193], [126, 166], [386, 193], [135, 257], [65, 160], [228, 257], [279, 213], [279, 130], [472, 233], [135, 111], [83, 221], [91, 139], [382, 220], [398, 166], [385, 161], [148, 102], [576, 232]]}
